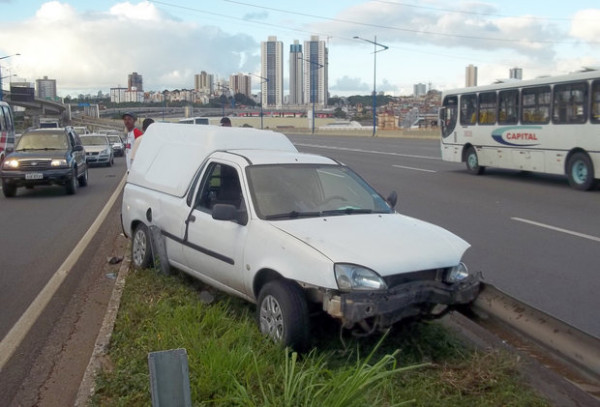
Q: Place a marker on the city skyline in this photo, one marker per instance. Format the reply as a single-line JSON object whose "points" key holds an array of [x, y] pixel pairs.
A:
{"points": [[89, 46]]}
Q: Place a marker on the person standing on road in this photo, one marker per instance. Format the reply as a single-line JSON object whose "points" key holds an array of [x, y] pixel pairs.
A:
{"points": [[132, 133], [147, 122]]}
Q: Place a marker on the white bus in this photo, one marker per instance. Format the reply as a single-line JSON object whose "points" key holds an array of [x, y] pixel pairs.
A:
{"points": [[549, 125], [195, 120]]}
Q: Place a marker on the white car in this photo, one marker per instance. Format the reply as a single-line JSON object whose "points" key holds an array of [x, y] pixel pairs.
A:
{"points": [[244, 211], [98, 150]]}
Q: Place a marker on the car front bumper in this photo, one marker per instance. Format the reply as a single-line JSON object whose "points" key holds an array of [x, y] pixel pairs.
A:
{"points": [[97, 159], [58, 176], [406, 300]]}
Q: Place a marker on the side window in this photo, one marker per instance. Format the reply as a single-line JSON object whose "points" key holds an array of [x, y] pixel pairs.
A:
{"points": [[449, 115], [488, 106], [71, 139], [536, 105], [3, 125], [220, 185], [569, 104], [595, 114], [468, 109], [508, 112]]}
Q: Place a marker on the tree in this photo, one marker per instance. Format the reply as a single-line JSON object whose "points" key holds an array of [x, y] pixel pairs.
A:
{"points": [[339, 113]]}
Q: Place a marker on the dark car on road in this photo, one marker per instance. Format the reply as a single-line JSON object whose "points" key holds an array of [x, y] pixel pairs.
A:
{"points": [[45, 157]]}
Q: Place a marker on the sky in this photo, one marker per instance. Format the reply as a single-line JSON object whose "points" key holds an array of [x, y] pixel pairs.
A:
{"points": [[90, 46]]}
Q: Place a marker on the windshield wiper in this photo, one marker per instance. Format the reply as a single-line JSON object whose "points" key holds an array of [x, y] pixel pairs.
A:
{"points": [[346, 211], [293, 215]]}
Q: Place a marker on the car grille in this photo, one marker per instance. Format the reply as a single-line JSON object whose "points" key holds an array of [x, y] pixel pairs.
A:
{"points": [[423, 275], [92, 153], [35, 165]]}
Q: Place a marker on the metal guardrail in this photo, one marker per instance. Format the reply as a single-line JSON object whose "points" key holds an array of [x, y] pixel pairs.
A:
{"points": [[577, 347]]}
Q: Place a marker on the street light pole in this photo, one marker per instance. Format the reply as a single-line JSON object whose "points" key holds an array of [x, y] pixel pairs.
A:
{"points": [[375, 51], [264, 80], [1, 91], [312, 86]]}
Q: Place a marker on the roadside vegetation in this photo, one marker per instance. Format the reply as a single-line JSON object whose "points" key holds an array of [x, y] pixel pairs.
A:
{"points": [[231, 364]]}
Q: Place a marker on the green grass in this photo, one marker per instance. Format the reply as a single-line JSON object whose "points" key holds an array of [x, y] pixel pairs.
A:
{"points": [[231, 364]]}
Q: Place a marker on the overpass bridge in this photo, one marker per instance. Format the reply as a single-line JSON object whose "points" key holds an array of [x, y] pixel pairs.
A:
{"points": [[38, 106]]}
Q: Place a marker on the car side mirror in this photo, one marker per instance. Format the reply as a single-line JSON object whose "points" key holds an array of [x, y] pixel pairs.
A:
{"points": [[229, 212], [78, 147], [392, 199]]}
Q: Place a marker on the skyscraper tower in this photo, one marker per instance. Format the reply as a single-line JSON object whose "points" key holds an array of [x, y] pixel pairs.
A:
{"points": [[316, 61], [296, 74], [135, 82], [471, 76], [271, 58], [516, 73]]}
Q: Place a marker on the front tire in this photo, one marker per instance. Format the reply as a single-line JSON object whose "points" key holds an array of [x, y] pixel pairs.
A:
{"points": [[141, 249], [282, 313], [472, 162], [83, 179], [71, 186], [9, 190], [580, 171]]}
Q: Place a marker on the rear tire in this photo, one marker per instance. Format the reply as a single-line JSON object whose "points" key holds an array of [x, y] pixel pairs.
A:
{"points": [[141, 249], [580, 171], [472, 162], [282, 314]]}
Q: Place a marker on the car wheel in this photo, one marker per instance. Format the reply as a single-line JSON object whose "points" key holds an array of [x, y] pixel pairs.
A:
{"points": [[282, 314], [8, 190], [141, 250], [71, 186], [473, 162], [83, 179], [580, 172]]}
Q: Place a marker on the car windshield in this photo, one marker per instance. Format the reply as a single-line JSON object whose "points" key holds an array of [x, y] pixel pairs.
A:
{"points": [[290, 191], [94, 141], [114, 139], [43, 141]]}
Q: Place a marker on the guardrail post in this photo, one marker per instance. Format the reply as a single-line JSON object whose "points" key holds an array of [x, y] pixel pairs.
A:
{"points": [[169, 378]]}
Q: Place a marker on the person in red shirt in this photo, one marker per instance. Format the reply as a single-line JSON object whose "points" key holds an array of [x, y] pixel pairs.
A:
{"points": [[132, 133]]}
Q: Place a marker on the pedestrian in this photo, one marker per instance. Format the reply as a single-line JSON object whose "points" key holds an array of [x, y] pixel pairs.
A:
{"points": [[132, 133], [136, 144], [225, 122]]}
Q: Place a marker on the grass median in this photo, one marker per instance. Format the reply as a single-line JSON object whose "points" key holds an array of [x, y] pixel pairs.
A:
{"points": [[232, 364]]}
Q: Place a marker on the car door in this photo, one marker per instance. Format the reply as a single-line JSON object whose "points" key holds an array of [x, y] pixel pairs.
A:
{"points": [[214, 249]]}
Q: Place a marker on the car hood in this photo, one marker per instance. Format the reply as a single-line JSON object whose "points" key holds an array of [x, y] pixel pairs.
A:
{"points": [[95, 149], [38, 154], [386, 243]]}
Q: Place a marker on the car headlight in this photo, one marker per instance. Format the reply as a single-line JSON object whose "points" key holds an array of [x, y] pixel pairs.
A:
{"points": [[59, 163], [353, 277], [105, 152], [457, 273], [11, 163]]}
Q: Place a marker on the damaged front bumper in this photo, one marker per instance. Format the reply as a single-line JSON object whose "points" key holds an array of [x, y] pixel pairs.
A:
{"points": [[411, 299]]}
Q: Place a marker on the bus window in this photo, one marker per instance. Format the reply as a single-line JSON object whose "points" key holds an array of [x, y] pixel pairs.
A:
{"points": [[448, 115], [536, 105], [468, 109], [508, 106], [487, 108], [569, 105], [596, 102]]}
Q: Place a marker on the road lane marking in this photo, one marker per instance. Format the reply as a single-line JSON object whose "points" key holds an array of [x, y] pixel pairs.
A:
{"points": [[413, 168], [357, 150], [569, 232], [17, 333]]}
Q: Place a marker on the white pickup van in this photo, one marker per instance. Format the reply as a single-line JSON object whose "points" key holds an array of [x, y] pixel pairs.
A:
{"points": [[244, 211]]}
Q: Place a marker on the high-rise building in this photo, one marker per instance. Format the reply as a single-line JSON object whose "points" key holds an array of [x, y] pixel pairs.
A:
{"points": [[135, 82], [296, 74], [471, 76], [316, 61], [45, 88], [516, 73], [204, 83], [271, 59], [240, 83], [419, 89]]}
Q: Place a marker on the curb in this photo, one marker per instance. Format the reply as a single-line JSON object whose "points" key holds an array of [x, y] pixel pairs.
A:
{"points": [[88, 383]]}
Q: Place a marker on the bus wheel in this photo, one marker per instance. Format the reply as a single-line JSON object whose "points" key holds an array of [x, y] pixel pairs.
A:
{"points": [[473, 162], [580, 172]]}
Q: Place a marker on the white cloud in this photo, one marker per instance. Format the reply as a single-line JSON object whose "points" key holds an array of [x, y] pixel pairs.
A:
{"points": [[585, 25]]}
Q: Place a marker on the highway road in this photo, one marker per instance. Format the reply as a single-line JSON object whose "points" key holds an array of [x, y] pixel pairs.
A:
{"points": [[532, 236]]}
